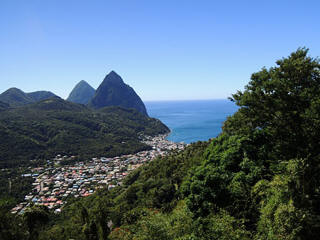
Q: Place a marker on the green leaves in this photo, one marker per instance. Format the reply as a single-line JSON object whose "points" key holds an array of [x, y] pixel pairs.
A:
{"points": [[280, 217], [278, 101], [246, 171]]}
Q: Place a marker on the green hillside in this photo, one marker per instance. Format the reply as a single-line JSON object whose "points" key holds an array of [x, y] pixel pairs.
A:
{"points": [[15, 97], [259, 179], [54, 126]]}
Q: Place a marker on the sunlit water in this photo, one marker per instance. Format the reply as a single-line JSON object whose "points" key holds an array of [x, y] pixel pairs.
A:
{"points": [[191, 121]]}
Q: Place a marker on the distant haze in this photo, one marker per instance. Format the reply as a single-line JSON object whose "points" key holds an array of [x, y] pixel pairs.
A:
{"points": [[165, 50]]}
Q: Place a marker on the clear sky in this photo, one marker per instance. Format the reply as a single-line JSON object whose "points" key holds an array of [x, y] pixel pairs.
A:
{"points": [[165, 50]]}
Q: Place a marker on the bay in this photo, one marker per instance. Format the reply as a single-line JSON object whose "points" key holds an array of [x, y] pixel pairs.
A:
{"points": [[191, 121]]}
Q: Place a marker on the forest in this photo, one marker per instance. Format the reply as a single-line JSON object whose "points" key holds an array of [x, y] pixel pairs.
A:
{"points": [[32, 134], [53, 126], [259, 179]]}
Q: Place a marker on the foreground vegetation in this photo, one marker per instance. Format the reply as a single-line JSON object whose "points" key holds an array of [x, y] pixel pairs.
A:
{"points": [[257, 180]]}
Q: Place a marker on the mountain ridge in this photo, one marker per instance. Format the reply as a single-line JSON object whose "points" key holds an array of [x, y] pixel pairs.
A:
{"points": [[40, 95], [15, 97]]}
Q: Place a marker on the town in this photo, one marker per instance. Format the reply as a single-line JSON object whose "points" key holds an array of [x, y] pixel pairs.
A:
{"points": [[54, 185]]}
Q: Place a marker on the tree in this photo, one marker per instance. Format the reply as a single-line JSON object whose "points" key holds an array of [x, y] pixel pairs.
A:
{"points": [[273, 138], [35, 217], [283, 102], [11, 226]]}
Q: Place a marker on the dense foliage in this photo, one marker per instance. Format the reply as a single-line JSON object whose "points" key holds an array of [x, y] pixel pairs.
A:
{"points": [[54, 126], [263, 168], [257, 180]]}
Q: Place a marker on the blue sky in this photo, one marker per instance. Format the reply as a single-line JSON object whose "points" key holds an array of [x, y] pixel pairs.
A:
{"points": [[165, 50]]}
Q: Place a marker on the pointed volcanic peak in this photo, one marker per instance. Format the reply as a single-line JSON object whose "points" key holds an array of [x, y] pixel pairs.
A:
{"points": [[15, 97], [41, 95], [81, 93], [114, 92]]}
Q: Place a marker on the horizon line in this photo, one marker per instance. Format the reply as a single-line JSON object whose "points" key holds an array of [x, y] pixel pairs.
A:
{"points": [[182, 100]]}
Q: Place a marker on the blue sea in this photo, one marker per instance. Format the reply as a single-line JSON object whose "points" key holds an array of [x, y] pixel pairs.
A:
{"points": [[191, 121]]}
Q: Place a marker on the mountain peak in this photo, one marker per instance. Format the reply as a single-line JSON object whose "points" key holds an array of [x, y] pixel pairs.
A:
{"points": [[114, 78], [83, 82], [15, 97], [112, 72], [81, 93], [13, 89], [114, 92]]}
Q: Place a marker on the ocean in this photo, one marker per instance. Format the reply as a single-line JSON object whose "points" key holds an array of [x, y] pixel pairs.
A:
{"points": [[191, 121]]}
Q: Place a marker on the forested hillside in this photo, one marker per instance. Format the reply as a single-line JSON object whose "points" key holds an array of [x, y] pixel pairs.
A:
{"points": [[259, 179], [52, 126], [32, 134], [16, 97]]}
